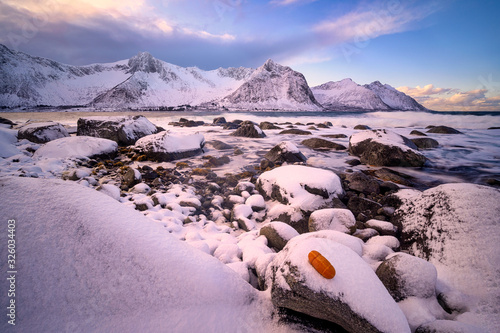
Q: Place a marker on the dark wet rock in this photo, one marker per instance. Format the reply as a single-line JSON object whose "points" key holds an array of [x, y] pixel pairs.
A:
{"points": [[219, 121], [322, 126], [266, 164], [237, 152], [6, 121], [285, 152], [249, 131], [364, 206], [385, 148], [494, 128], [214, 162], [425, 143], [312, 128], [295, 131], [164, 146], [278, 234], [443, 130], [131, 177], [334, 136], [42, 132], [387, 174], [406, 276], [359, 182], [353, 162], [415, 132], [383, 227], [219, 145], [230, 126], [362, 127], [320, 144], [124, 130], [266, 125], [386, 187]]}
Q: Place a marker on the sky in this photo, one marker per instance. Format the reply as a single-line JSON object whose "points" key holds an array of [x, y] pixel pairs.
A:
{"points": [[445, 54]]}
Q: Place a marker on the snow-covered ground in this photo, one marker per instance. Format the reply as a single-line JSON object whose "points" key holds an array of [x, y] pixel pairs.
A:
{"points": [[91, 258]]}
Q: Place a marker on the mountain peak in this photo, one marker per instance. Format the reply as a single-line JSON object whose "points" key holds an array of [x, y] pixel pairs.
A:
{"points": [[144, 62]]}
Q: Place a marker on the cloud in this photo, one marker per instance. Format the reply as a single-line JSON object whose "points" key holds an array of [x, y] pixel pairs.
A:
{"points": [[424, 91], [446, 99], [289, 2], [370, 21]]}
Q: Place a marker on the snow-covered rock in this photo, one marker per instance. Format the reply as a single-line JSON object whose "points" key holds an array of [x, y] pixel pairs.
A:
{"points": [[167, 146], [457, 228], [385, 148], [125, 130], [285, 151], [273, 86], [42, 132], [298, 191], [355, 298], [249, 131], [88, 263], [393, 98], [347, 95], [77, 147], [278, 234], [332, 219]]}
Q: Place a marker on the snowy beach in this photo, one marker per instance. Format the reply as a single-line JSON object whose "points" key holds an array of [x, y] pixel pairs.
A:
{"points": [[191, 221]]}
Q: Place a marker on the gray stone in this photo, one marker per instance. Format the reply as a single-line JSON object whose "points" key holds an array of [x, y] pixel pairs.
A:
{"points": [[156, 147], [425, 143], [219, 145], [415, 132], [249, 131], [443, 130], [285, 152], [278, 234], [362, 127], [360, 182], [42, 132], [266, 125], [321, 144], [219, 121], [295, 131], [362, 205]]}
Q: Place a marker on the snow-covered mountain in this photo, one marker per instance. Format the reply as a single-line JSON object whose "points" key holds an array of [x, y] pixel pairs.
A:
{"points": [[273, 86], [347, 95], [395, 99], [144, 81]]}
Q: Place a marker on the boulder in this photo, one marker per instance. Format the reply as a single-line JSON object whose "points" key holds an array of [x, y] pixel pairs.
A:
{"points": [[42, 132], [219, 121], [334, 136], [354, 299], [385, 148], [230, 126], [219, 145], [406, 276], [283, 152], [6, 121], [322, 144], [131, 177], [358, 205], [278, 234], [77, 147], [249, 131], [266, 125], [443, 130], [425, 143], [295, 131], [124, 130], [298, 191], [362, 127], [332, 219], [383, 228], [166, 146], [447, 326], [418, 133], [362, 183], [389, 175]]}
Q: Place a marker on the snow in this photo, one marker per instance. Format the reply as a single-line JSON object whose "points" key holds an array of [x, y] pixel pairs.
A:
{"points": [[170, 142], [95, 265], [355, 282], [287, 146], [354, 243], [112, 190], [419, 311], [381, 225], [75, 147], [333, 219], [389, 241], [385, 137], [7, 138], [292, 180], [256, 201]]}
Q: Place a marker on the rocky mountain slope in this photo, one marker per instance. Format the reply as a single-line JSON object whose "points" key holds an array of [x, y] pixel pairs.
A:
{"points": [[144, 81]]}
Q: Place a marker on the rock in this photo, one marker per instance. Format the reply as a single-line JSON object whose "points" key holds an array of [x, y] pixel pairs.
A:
{"points": [[266, 164], [266, 125], [257, 202], [386, 174], [278, 234], [406, 276], [355, 298], [230, 126], [365, 206], [365, 234], [283, 152], [353, 162], [362, 183], [415, 132], [131, 177], [77, 147], [42, 132], [385, 148], [322, 126], [298, 191], [362, 127], [124, 130], [219, 121], [214, 162], [388, 187], [319, 144], [332, 219], [249, 131], [219, 145], [425, 143], [295, 131], [166, 146], [443, 130], [493, 127], [384, 228], [334, 136], [447, 326], [6, 121]]}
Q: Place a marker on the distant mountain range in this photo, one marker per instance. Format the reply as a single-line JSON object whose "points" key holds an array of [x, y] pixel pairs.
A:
{"points": [[146, 82]]}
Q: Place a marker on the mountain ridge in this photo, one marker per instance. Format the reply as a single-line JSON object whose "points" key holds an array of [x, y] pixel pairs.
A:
{"points": [[144, 81]]}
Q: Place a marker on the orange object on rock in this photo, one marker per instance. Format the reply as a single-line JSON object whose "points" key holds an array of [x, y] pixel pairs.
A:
{"points": [[321, 264]]}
